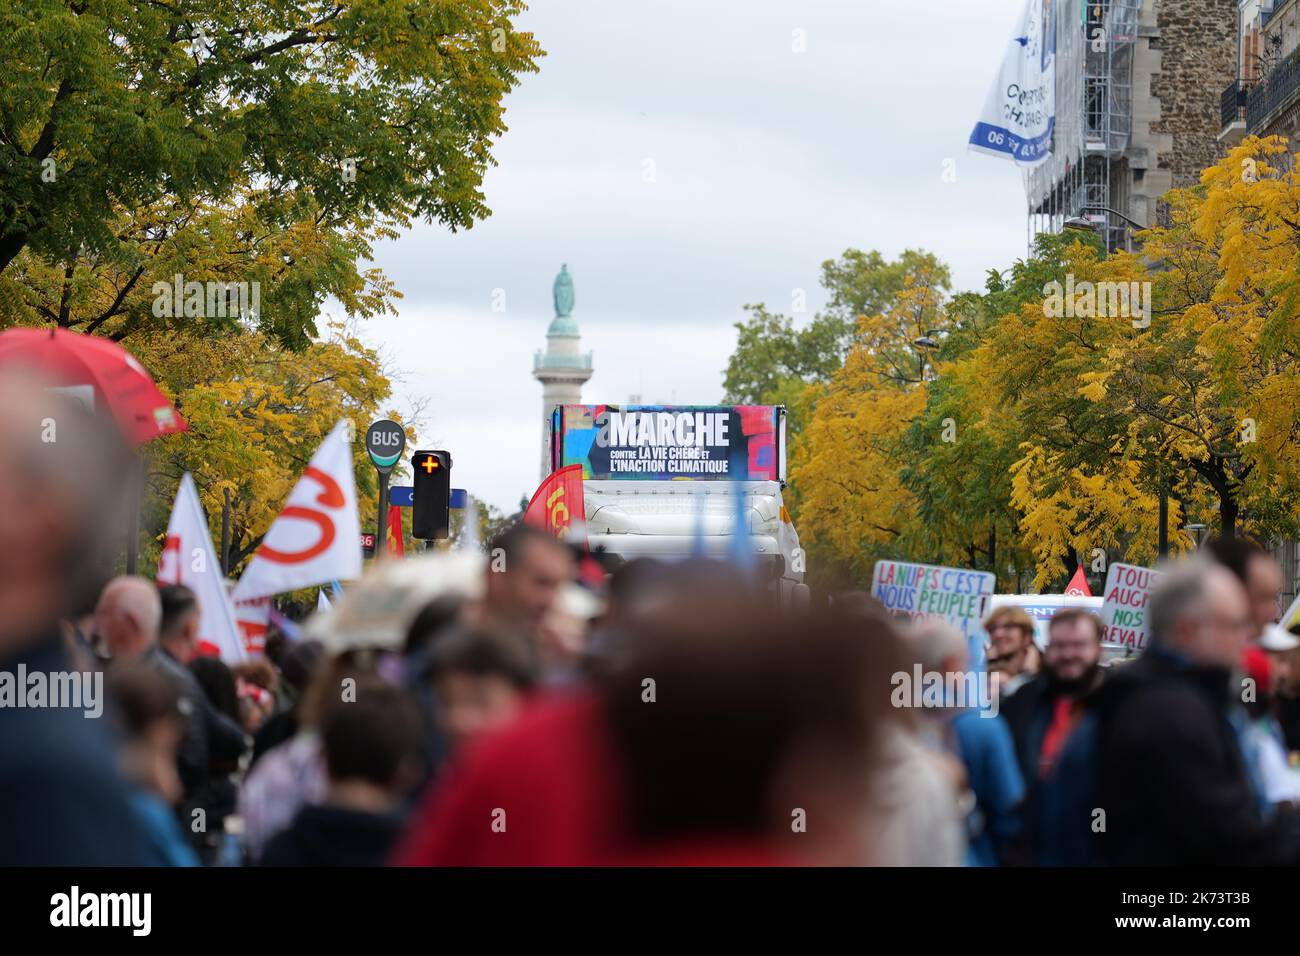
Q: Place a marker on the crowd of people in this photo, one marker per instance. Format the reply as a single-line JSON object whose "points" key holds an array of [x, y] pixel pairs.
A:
{"points": [[456, 711]]}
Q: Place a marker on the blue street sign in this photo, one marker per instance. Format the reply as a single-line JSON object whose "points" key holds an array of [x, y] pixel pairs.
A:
{"points": [[404, 495]]}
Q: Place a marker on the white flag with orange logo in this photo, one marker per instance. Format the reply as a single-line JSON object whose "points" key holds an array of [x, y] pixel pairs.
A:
{"points": [[317, 537]]}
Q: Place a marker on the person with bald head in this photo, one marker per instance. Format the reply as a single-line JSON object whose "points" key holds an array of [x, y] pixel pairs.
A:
{"points": [[63, 474], [155, 628], [127, 618], [1172, 783]]}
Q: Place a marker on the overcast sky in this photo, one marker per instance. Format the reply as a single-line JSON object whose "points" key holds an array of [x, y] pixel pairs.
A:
{"points": [[684, 159]]}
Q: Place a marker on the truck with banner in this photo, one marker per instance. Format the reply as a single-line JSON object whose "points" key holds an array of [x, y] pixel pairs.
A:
{"points": [[670, 442], [676, 481]]}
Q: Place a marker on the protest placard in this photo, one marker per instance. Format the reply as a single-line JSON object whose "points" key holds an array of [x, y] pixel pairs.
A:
{"points": [[1124, 605], [925, 590]]}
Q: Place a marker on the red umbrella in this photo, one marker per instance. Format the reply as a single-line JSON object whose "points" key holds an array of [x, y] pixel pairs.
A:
{"points": [[119, 382]]}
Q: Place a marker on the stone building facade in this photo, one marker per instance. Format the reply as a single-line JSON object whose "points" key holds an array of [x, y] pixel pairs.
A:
{"points": [[1139, 85], [1192, 48]]}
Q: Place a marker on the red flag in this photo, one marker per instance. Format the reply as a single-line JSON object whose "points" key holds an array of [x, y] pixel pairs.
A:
{"points": [[1079, 584], [394, 534], [557, 506]]}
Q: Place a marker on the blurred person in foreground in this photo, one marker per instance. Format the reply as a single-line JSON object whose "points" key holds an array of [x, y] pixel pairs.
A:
{"points": [[979, 737], [211, 736], [157, 628], [437, 620], [1047, 709], [481, 681], [372, 749], [1013, 658], [728, 735], [914, 812], [527, 571], [1171, 777], [147, 707], [1288, 698], [1277, 782], [1262, 742], [218, 795], [293, 774], [1259, 574], [297, 663], [62, 800], [634, 588], [128, 617]]}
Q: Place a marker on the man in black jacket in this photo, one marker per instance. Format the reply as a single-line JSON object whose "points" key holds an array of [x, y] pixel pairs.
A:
{"points": [[210, 736], [1172, 784]]}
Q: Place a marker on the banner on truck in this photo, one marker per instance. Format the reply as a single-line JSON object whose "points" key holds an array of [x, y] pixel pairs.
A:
{"points": [[925, 590], [666, 442], [1124, 605]]}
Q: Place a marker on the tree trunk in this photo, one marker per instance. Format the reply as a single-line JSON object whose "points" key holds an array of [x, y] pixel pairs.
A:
{"points": [[1228, 512], [993, 549], [1071, 562]]}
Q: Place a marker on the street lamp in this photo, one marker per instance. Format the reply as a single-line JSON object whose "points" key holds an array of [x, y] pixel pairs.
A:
{"points": [[1081, 224], [1199, 531], [926, 343]]}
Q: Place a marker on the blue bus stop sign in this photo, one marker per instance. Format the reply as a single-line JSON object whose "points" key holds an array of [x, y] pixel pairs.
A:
{"points": [[404, 495]]}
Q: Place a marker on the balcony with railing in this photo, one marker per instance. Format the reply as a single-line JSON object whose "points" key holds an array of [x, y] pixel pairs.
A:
{"points": [[544, 360], [1232, 105], [1274, 94]]}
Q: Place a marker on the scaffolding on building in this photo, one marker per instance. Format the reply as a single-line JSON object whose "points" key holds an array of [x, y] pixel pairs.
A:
{"points": [[1081, 179]]}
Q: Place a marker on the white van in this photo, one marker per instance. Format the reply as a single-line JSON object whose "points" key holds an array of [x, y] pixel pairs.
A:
{"points": [[1041, 607]]}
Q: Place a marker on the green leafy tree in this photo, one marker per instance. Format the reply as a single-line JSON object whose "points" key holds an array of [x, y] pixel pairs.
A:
{"points": [[366, 109], [129, 292], [774, 361]]}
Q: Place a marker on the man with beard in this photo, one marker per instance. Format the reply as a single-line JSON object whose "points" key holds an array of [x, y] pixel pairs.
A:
{"points": [[1044, 711]]}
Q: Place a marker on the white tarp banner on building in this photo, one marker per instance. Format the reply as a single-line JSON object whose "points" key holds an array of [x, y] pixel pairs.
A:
{"points": [[1020, 112]]}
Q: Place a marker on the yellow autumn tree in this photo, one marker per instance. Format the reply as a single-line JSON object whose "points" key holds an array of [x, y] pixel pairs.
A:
{"points": [[853, 505], [257, 412], [260, 387], [1199, 398], [1079, 480]]}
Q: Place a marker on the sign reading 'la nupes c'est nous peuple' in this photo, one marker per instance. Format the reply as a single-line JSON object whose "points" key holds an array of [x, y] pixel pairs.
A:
{"points": [[956, 595]]}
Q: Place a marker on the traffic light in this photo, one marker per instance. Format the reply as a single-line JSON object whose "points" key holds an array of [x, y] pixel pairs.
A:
{"points": [[430, 508]]}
